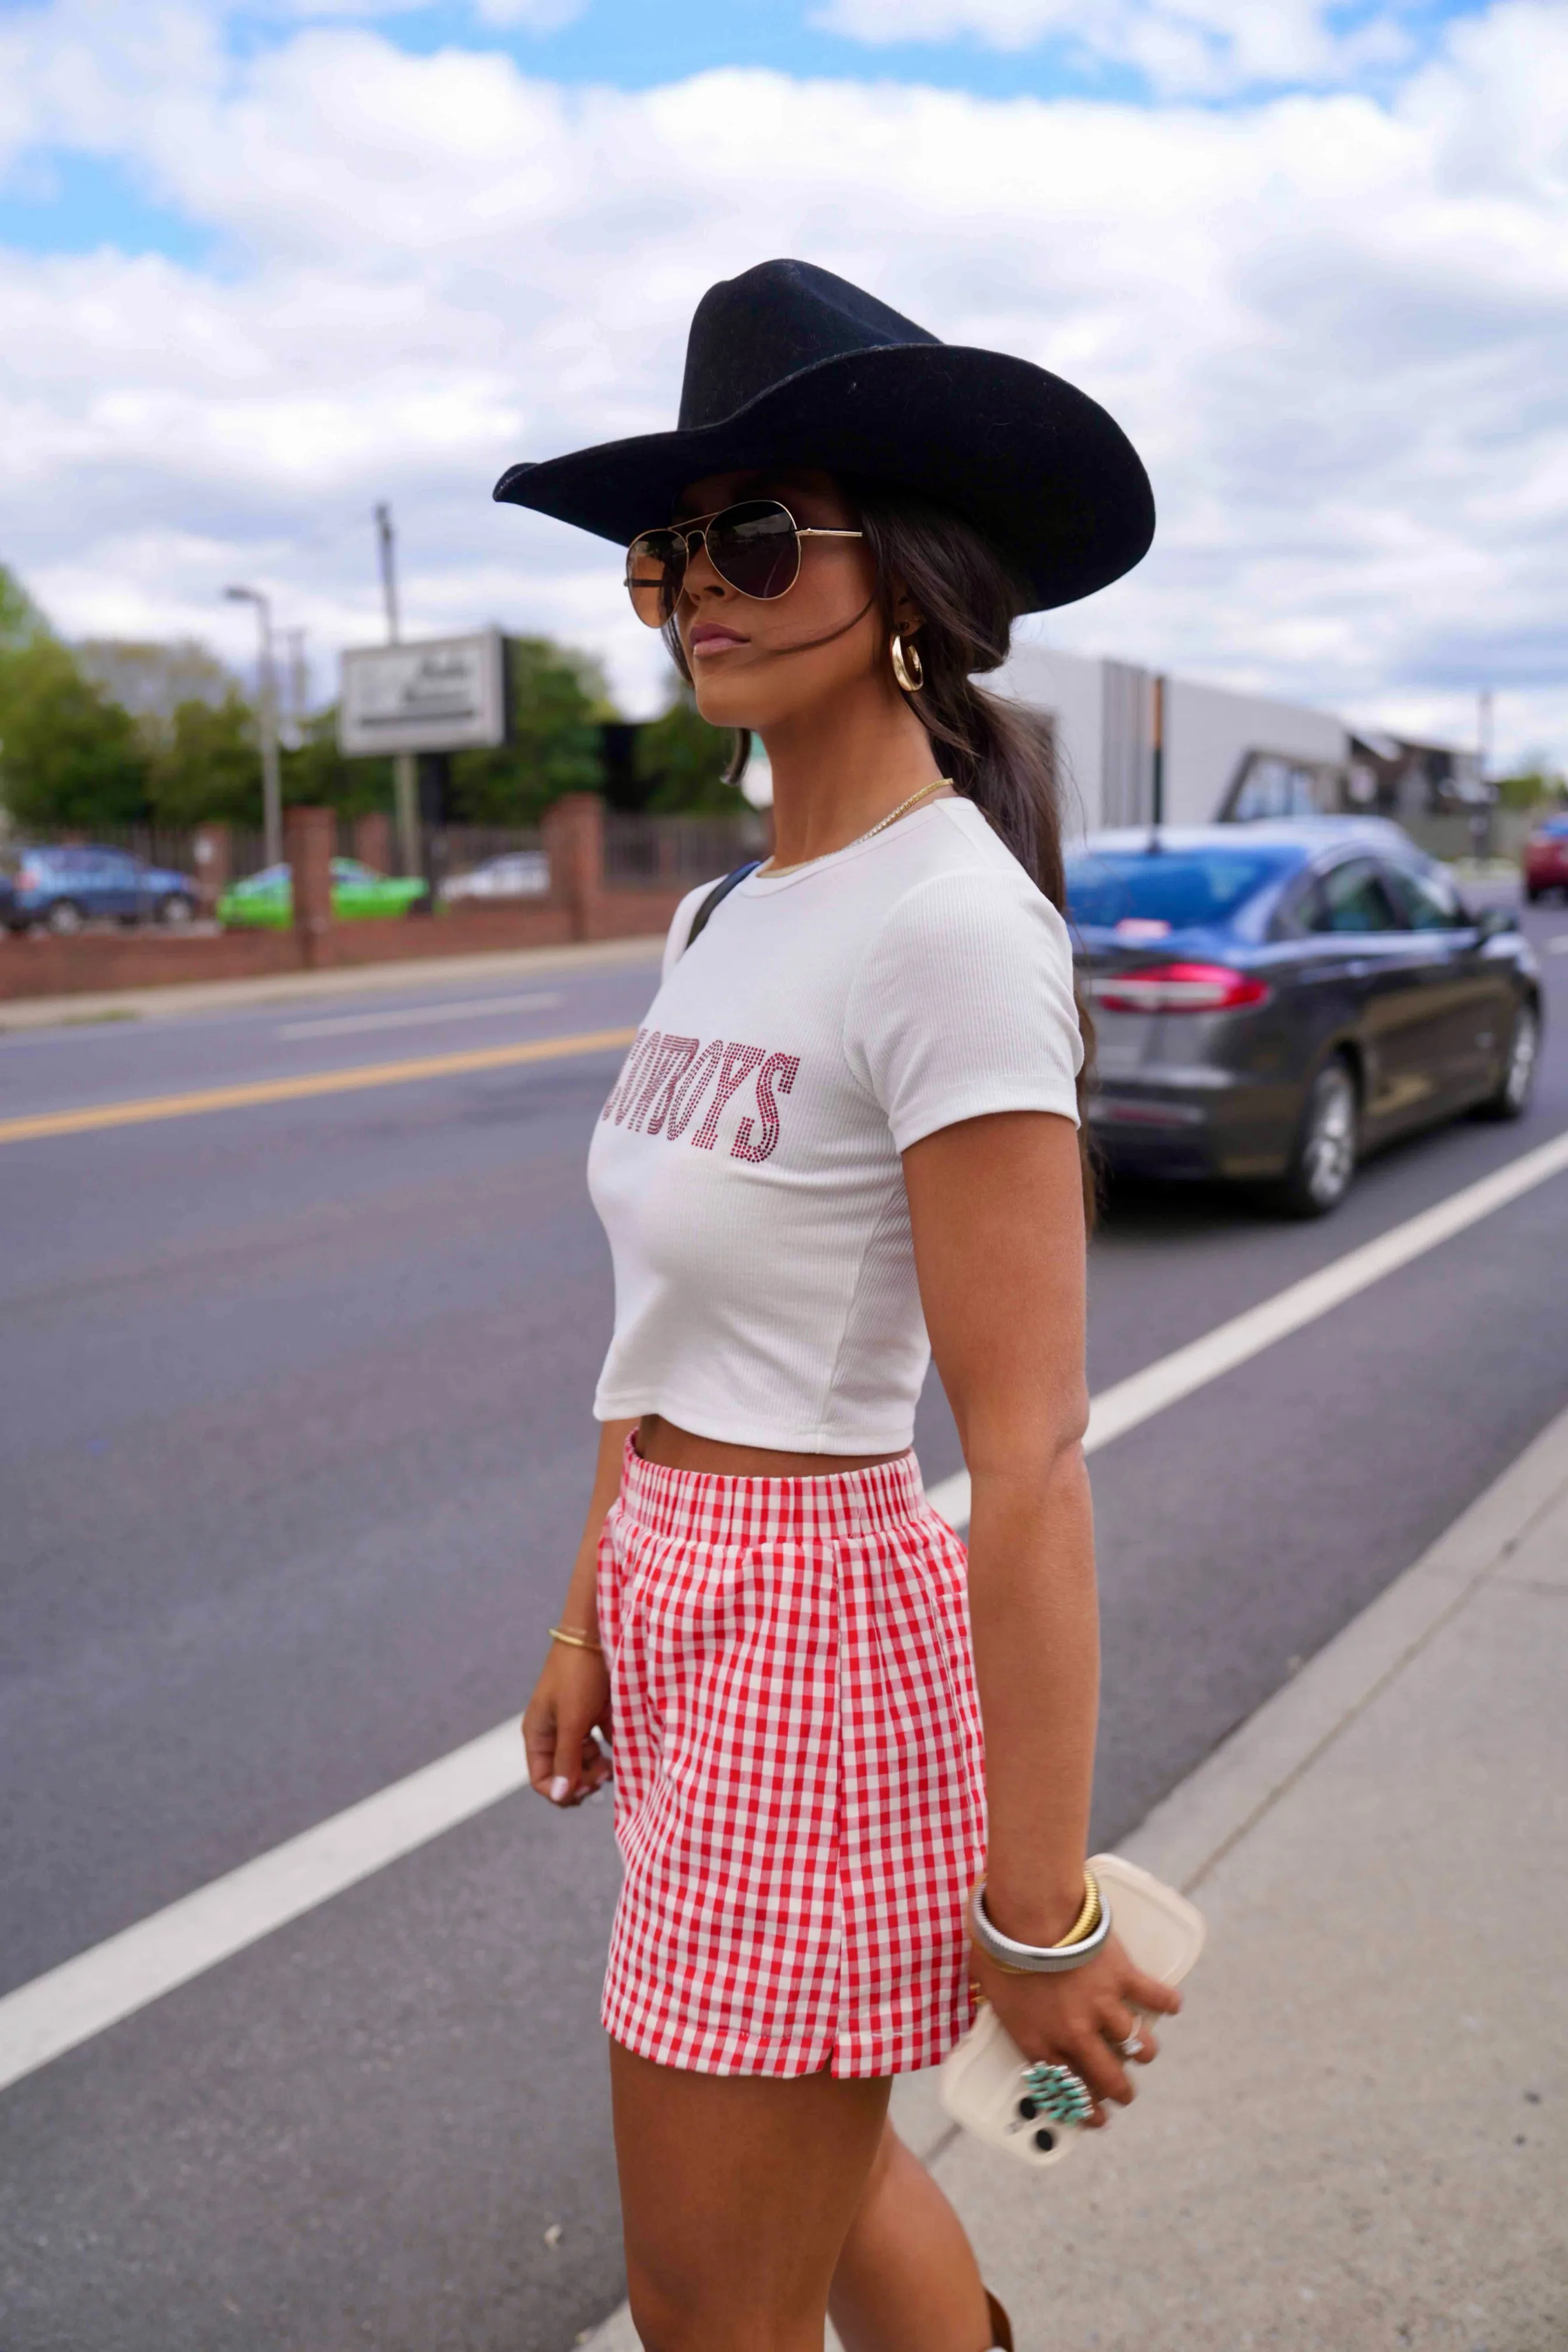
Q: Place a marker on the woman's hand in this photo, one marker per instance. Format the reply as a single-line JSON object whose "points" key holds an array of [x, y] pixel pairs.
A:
{"points": [[1080, 2018], [571, 1700]]}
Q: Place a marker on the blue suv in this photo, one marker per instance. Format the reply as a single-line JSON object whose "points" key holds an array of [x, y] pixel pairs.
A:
{"points": [[62, 889]]}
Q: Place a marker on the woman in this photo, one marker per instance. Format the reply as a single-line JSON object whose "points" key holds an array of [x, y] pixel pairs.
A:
{"points": [[845, 1139]]}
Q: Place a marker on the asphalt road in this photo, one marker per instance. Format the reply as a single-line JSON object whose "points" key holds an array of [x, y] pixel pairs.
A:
{"points": [[294, 1441]]}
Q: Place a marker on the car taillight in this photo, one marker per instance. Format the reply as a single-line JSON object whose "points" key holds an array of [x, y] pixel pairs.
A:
{"points": [[1179, 988]]}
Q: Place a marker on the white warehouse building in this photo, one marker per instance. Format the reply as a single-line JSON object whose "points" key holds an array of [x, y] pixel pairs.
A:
{"points": [[1224, 754]]}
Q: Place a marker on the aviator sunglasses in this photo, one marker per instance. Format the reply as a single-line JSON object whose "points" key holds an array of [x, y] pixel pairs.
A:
{"points": [[754, 547]]}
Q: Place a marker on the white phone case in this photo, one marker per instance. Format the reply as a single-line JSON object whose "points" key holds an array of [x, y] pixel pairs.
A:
{"points": [[982, 2080]]}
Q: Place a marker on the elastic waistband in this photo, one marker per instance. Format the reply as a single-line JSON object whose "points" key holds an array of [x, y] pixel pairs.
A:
{"points": [[700, 1507]]}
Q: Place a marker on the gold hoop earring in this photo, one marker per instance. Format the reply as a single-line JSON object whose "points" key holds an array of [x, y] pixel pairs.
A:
{"points": [[907, 668]]}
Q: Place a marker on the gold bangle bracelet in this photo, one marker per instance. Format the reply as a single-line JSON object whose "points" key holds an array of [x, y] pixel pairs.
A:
{"points": [[1089, 1918], [576, 1641]]}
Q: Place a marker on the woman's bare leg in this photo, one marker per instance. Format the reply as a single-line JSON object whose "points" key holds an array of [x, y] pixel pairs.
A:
{"points": [[737, 2192], [907, 2279]]}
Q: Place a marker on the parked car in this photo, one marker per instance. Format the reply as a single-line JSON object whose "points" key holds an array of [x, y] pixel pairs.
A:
{"points": [[267, 898], [1546, 858], [62, 889], [1274, 1000], [519, 874]]}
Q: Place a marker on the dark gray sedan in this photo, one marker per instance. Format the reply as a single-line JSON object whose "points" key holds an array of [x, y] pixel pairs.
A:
{"points": [[1273, 1001]]}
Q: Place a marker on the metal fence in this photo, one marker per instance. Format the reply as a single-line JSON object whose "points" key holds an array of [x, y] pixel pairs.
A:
{"points": [[468, 845], [661, 853], [641, 853], [247, 853], [166, 846], [172, 847]]}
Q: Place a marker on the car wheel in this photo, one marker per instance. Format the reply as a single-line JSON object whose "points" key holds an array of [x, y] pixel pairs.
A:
{"points": [[176, 911], [64, 918], [1323, 1161], [1511, 1098]]}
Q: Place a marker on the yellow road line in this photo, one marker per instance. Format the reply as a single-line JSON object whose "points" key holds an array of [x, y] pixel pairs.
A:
{"points": [[318, 1082]]}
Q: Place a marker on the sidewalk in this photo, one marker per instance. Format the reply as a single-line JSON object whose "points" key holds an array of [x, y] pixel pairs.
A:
{"points": [[1357, 2136], [180, 999]]}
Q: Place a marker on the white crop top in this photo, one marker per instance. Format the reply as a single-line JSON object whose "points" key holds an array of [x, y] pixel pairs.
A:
{"points": [[746, 1166]]}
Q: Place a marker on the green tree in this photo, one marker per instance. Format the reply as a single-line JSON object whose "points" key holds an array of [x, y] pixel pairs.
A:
{"points": [[152, 680], [682, 759], [68, 756], [1537, 786], [208, 765], [20, 619], [317, 775], [558, 699]]}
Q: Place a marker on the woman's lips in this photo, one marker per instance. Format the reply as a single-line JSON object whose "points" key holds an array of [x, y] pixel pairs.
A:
{"points": [[709, 641]]}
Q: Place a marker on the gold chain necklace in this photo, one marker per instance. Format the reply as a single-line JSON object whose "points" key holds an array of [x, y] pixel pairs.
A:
{"points": [[924, 794]]}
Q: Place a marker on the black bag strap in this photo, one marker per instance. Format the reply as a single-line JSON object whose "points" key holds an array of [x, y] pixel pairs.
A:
{"points": [[716, 896]]}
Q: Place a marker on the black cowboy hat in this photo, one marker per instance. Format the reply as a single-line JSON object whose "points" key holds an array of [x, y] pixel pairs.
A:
{"points": [[788, 365]]}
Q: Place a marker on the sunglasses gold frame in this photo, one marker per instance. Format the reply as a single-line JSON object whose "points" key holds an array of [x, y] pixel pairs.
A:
{"points": [[696, 527]]}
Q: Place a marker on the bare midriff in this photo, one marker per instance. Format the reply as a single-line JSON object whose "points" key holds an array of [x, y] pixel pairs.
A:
{"points": [[667, 1443]]}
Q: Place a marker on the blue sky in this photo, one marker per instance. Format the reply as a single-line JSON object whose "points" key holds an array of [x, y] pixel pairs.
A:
{"points": [[55, 198], [638, 44], [263, 267]]}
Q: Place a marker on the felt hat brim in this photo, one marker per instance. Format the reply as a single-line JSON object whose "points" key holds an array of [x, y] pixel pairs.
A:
{"points": [[1039, 469]]}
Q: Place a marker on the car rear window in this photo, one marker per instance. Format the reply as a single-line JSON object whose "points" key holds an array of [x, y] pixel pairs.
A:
{"points": [[1186, 889]]}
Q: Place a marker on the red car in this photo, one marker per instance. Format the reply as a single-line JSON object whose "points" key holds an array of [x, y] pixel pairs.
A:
{"points": [[1546, 858]]}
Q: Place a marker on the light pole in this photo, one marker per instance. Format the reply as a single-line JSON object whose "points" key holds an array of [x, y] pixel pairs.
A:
{"points": [[271, 784], [296, 671], [1157, 764], [406, 799]]}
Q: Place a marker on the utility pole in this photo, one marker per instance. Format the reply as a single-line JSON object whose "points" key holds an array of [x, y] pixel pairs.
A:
{"points": [[1157, 777], [1481, 823], [291, 732], [267, 705], [405, 787]]}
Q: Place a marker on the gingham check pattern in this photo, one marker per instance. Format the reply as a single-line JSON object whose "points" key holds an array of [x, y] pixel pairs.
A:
{"points": [[799, 1776]]}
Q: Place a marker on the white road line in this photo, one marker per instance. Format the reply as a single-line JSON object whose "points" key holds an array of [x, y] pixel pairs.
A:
{"points": [[42, 2019], [349, 1025], [86, 1995], [1558, 946], [1137, 1399]]}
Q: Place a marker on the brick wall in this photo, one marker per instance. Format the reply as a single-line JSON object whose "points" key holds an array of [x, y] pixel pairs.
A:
{"points": [[579, 907]]}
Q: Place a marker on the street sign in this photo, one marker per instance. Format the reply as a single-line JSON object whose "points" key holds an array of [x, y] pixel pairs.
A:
{"points": [[439, 694]]}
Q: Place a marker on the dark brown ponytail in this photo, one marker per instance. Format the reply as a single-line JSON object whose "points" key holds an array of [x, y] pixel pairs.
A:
{"points": [[998, 754]]}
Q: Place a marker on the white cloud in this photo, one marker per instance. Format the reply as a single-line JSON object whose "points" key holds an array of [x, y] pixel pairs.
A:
{"points": [[1184, 47], [1338, 332], [537, 16]]}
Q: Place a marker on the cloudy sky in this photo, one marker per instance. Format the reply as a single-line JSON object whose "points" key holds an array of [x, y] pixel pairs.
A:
{"points": [[262, 266]]}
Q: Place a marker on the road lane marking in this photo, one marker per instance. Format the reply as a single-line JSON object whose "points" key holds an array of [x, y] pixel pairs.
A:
{"points": [[84, 1996], [112, 1980], [315, 1082], [349, 1025], [1137, 1399], [1558, 946]]}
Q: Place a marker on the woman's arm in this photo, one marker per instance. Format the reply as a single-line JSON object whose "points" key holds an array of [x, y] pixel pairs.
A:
{"points": [[997, 1211], [572, 1697]]}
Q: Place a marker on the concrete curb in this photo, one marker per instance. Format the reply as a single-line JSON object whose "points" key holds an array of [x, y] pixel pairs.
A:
{"points": [[1229, 1794], [182, 999], [1189, 1831]]}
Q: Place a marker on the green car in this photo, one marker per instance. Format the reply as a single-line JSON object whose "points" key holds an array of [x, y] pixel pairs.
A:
{"points": [[357, 890]]}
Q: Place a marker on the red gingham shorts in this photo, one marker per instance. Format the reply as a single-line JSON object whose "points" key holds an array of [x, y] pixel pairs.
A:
{"points": [[800, 1796]]}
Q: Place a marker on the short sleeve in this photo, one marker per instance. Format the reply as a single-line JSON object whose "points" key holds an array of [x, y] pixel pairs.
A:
{"points": [[963, 1004]]}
